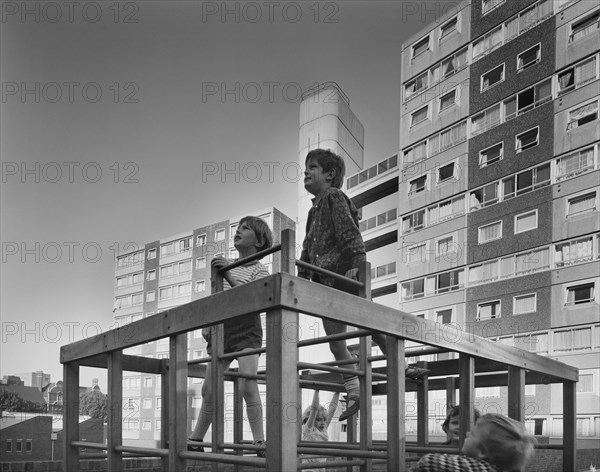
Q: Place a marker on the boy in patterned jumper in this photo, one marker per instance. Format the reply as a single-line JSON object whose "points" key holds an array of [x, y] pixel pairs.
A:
{"points": [[496, 444], [333, 242], [241, 333]]}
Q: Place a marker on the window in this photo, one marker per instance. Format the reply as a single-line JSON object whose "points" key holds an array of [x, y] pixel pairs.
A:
{"points": [[484, 272], [130, 259], [484, 196], [526, 221], [174, 291], [200, 286], [446, 172], [493, 77], [19, 444], [448, 281], [448, 100], [446, 210], [201, 240], [445, 245], [524, 304], [201, 263], [413, 222], [575, 164], [567, 340], [490, 155], [419, 116], [490, 232], [489, 5], [526, 181], [485, 120], [147, 403], [444, 316], [417, 185], [578, 76], [448, 28], [151, 275], [413, 289], [488, 310], [584, 27], [417, 253], [420, 47], [574, 252], [581, 204], [528, 99], [529, 58], [151, 296], [487, 43], [582, 115], [147, 382], [147, 425], [8, 447], [177, 268], [577, 294], [417, 153], [151, 253], [449, 66], [417, 85], [220, 235], [585, 383], [527, 139]]}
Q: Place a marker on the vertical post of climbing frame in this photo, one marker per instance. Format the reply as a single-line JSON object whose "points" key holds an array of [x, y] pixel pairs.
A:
{"points": [[396, 388], [114, 431]]}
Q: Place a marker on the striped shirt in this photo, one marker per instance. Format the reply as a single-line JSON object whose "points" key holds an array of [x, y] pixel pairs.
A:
{"points": [[452, 463], [247, 273]]}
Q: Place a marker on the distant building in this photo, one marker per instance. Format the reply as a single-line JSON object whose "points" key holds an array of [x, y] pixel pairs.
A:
{"points": [[161, 275], [36, 379]]}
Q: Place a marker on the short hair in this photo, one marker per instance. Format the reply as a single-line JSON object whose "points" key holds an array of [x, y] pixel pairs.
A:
{"points": [[329, 160], [453, 411], [322, 412], [506, 442], [261, 229]]}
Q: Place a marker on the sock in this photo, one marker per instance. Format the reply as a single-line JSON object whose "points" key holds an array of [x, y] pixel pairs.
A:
{"points": [[352, 386]]}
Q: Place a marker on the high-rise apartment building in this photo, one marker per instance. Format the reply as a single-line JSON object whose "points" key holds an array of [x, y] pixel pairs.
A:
{"points": [[499, 223], [161, 275]]}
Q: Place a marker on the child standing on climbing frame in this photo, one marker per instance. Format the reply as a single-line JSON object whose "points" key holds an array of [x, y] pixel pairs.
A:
{"points": [[315, 422], [333, 242], [240, 334]]}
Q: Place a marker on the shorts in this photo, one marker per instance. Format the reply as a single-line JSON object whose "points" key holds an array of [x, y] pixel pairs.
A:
{"points": [[243, 332]]}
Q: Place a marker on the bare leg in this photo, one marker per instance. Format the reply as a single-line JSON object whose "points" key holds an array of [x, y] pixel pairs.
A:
{"points": [[249, 365]]}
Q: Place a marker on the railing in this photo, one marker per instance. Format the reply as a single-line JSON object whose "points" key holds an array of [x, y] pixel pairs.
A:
{"points": [[283, 296]]}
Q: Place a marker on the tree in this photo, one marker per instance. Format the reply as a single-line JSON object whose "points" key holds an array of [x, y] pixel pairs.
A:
{"points": [[10, 401], [93, 403]]}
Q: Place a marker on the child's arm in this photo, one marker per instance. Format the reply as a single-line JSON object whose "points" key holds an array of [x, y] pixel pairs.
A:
{"points": [[332, 408], [350, 240], [314, 409]]}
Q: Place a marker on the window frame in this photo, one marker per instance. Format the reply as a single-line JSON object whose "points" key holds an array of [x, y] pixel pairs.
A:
{"points": [[480, 228], [523, 296], [453, 20], [418, 189], [412, 116], [579, 106], [521, 68], [526, 213], [201, 239], [581, 285], [582, 21], [485, 11], [454, 102], [427, 39], [581, 196], [499, 158], [502, 78], [494, 303]]}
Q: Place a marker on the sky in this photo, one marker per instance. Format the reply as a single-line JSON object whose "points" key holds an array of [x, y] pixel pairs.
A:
{"points": [[127, 122]]}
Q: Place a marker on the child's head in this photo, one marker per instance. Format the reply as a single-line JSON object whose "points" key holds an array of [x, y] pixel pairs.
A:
{"points": [[261, 230], [451, 425], [501, 441], [330, 163], [320, 419]]}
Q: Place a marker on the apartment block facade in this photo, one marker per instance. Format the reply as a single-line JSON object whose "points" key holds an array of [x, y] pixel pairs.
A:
{"points": [[161, 275], [499, 182]]}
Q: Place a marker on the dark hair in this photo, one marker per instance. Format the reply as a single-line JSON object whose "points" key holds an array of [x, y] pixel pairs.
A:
{"points": [[261, 229], [329, 160], [453, 411]]}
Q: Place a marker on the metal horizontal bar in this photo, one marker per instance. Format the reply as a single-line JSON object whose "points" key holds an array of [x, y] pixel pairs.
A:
{"points": [[326, 368], [145, 451], [224, 458], [346, 452], [329, 464], [254, 257], [89, 445], [334, 337], [328, 273]]}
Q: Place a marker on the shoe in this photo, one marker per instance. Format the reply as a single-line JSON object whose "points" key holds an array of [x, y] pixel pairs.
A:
{"points": [[260, 442], [413, 372], [195, 447], [353, 407]]}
